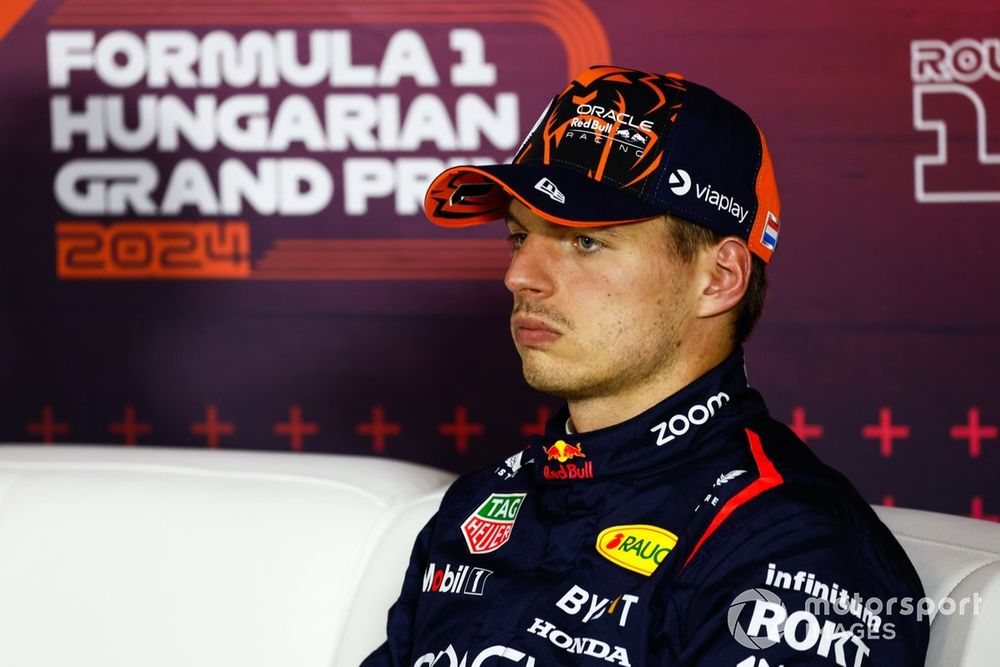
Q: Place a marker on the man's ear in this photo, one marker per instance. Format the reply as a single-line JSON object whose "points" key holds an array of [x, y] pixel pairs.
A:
{"points": [[726, 271]]}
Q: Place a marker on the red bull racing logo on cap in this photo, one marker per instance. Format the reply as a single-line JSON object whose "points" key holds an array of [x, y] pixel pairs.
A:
{"points": [[639, 548], [489, 527], [609, 123], [562, 452]]}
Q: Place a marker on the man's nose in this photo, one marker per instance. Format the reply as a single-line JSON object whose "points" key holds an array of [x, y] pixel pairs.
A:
{"points": [[530, 271]]}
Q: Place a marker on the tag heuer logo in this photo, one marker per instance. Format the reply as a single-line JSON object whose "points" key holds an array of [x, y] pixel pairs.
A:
{"points": [[489, 527]]}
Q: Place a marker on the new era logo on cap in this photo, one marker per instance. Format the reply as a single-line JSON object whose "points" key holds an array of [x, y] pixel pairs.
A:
{"points": [[769, 237], [549, 188]]}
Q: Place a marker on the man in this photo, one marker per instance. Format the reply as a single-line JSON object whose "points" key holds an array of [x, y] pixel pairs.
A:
{"points": [[664, 518]]}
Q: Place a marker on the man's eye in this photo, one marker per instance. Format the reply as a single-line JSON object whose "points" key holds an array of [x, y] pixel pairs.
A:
{"points": [[587, 244], [516, 239]]}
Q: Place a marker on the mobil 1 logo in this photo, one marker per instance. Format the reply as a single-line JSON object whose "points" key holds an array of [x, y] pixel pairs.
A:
{"points": [[460, 580]]}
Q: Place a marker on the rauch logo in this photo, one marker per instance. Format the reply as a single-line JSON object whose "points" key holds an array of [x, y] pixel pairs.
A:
{"points": [[639, 548]]}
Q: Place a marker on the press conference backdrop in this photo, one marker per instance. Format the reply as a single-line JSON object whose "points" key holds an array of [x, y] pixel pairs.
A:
{"points": [[211, 231]]}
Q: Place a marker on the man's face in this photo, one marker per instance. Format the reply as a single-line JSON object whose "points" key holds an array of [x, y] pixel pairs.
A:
{"points": [[597, 311]]}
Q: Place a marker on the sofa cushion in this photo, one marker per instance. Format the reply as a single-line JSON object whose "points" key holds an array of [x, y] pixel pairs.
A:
{"points": [[121, 557]]}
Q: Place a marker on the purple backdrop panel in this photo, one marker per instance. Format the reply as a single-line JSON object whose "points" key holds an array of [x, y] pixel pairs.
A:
{"points": [[212, 233]]}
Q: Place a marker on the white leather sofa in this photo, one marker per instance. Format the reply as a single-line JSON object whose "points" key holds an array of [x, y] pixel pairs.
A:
{"points": [[128, 557]]}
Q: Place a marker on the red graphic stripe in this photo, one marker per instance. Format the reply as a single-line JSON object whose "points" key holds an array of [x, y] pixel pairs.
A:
{"points": [[384, 259], [769, 477], [354, 244], [12, 11], [343, 264], [390, 258], [377, 260], [377, 275]]}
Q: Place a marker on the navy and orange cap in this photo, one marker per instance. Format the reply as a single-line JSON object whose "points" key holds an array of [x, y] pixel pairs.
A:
{"points": [[619, 145]]}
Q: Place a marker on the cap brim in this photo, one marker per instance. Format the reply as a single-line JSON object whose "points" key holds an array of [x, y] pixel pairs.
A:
{"points": [[468, 195]]}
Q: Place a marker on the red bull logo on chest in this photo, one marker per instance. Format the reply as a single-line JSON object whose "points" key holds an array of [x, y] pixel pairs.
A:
{"points": [[489, 527], [562, 451]]}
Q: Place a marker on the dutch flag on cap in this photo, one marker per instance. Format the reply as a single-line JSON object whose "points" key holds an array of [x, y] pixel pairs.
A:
{"points": [[769, 238]]}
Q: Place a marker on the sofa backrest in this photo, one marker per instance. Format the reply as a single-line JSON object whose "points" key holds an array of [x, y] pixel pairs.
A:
{"points": [[958, 560], [115, 557]]}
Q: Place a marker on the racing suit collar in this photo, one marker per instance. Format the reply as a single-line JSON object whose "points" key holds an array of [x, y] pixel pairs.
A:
{"points": [[666, 433]]}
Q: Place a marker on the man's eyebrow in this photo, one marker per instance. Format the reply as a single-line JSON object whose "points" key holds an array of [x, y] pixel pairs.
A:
{"points": [[610, 230], [512, 219], [607, 230]]}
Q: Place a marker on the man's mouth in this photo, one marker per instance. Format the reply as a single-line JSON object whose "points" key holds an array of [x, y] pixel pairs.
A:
{"points": [[533, 331]]}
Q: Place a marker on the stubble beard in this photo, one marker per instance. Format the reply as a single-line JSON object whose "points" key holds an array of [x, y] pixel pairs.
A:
{"points": [[619, 369]]}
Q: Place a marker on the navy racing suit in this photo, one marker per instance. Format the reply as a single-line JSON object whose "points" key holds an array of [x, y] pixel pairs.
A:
{"points": [[700, 532]]}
